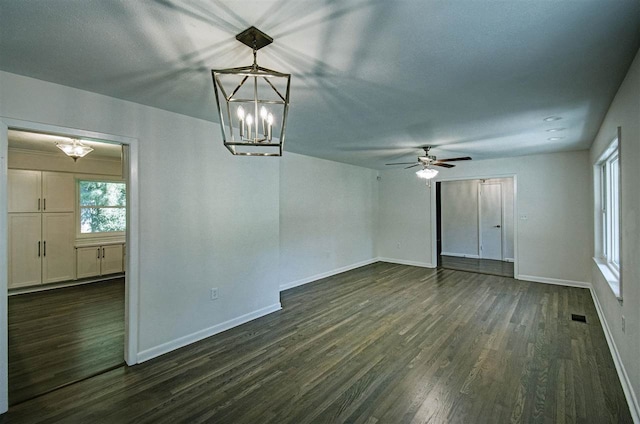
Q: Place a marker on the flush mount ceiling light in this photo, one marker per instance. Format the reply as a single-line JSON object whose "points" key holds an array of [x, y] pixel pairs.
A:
{"points": [[555, 138], [252, 103], [555, 129], [552, 118], [75, 149]]}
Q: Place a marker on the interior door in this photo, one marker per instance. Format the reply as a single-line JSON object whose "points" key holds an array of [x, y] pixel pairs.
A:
{"points": [[491, 221]]}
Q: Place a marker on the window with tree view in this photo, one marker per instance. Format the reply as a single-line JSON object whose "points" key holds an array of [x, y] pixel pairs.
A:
{"points": [[103, 207]]}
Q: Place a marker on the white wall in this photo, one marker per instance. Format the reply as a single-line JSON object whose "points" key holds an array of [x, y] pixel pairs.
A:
{"points": [[460, 224], [207, 219], [327, 218], [404, 227], [624, 112], [552, 193]]}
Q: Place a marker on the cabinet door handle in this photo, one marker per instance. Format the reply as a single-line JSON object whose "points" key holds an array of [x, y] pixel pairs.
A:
{"points": [[98, 253], [44, 248], [103, 253], [38, 203], [38, 249], [44, 203]]}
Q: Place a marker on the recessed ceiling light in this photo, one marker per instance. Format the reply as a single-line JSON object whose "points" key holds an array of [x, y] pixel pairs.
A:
{"points": [[555, 138], [552, 118], [555, 129]]}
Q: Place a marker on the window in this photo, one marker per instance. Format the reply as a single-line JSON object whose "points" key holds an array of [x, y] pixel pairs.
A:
{"points": [[102, 206], [608, 210]]}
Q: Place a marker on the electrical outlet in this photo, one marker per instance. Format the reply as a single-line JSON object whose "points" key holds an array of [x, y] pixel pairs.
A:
{"points": [[214, 293], [624, 324], [524, 217]]}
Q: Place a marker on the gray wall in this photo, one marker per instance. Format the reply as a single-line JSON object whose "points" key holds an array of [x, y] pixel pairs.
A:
{"points": [[554, 241], [624, 112], [327, 218]]}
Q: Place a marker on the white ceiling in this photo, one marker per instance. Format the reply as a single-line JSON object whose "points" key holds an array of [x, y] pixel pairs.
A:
{"points": [[371, 79]]}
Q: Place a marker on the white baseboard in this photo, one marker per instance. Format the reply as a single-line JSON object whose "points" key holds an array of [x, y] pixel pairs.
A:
{"points": [[64, 284], [316, 277], [509, 260], [403, 262], [629, 393], [167, 347], [460, 255], [556, 281]]}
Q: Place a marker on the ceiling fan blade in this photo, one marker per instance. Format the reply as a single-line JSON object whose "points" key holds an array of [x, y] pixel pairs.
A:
{"points": [[444, 165], [454, 159], [413, 166], [400, 163]]}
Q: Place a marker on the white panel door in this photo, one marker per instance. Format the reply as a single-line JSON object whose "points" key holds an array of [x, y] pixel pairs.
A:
{"points": [[111, 259], [491, 221], [88, 261], [25, 249], [58, 192], [58, 237], [24, 190]]}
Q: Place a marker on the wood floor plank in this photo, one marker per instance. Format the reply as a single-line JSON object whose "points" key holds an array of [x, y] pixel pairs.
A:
{"points": [[63, 335], [383, 343]]}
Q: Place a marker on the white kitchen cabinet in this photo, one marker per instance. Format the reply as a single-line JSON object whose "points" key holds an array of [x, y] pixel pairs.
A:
{"points": [[40, 248], [36, 191], [93, 261], [25, 249], [58, 192], [58, 261], [24, 190], [87, 262]]}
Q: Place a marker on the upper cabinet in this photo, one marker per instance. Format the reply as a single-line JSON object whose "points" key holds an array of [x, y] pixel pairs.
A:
{"points": [[36, 191], [24, 189]]}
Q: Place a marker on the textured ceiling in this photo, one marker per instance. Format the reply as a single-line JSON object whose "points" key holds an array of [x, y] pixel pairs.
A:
{"points": [[372, 79]]}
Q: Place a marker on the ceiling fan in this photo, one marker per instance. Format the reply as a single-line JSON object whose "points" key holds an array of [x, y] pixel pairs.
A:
{"points": [[428, 160]]}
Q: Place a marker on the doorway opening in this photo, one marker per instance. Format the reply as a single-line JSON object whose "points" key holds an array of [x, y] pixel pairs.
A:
{"points": [[67, 280], [67, 247], [476, 226]]}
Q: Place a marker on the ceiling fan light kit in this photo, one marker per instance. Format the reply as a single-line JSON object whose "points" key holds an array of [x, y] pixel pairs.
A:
{"points": [[252, 103], [75, 149], [427, 161]]}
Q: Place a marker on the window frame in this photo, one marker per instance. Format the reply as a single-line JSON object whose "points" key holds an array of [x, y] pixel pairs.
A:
{"points": [[608, 222], [104, 234]]}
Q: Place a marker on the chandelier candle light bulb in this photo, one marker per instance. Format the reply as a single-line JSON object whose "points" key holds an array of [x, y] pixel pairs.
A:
{"points": [[249, 123], [241, 120]]}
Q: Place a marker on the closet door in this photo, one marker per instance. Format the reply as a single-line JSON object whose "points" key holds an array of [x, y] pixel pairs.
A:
{"points": [[25, 249], [58, 256]]}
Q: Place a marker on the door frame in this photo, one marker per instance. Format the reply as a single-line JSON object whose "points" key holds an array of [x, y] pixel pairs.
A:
{"points": [[132, 240], [434, 224], [502, 235]]}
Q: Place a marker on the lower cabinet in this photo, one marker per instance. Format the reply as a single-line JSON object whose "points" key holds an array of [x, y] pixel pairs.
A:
{"points": [[92, 261], [40, 248]]}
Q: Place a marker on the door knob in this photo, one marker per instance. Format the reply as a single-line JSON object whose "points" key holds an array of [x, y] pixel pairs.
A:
{"points": [[496, 226]]}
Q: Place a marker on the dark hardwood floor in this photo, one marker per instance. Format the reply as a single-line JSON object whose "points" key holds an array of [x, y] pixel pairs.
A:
{"points": [[380, 344], [63, 335], [482, 266]]}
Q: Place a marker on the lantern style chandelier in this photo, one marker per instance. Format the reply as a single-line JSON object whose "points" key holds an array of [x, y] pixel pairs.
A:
{"points": [[74, 150], [252, 103]]}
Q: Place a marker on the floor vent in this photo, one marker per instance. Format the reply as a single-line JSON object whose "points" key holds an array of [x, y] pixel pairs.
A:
{"points": [[579, 318]]}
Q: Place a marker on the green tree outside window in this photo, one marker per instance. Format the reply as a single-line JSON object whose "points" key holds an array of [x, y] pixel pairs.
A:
{"points": [[102, 207]]}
